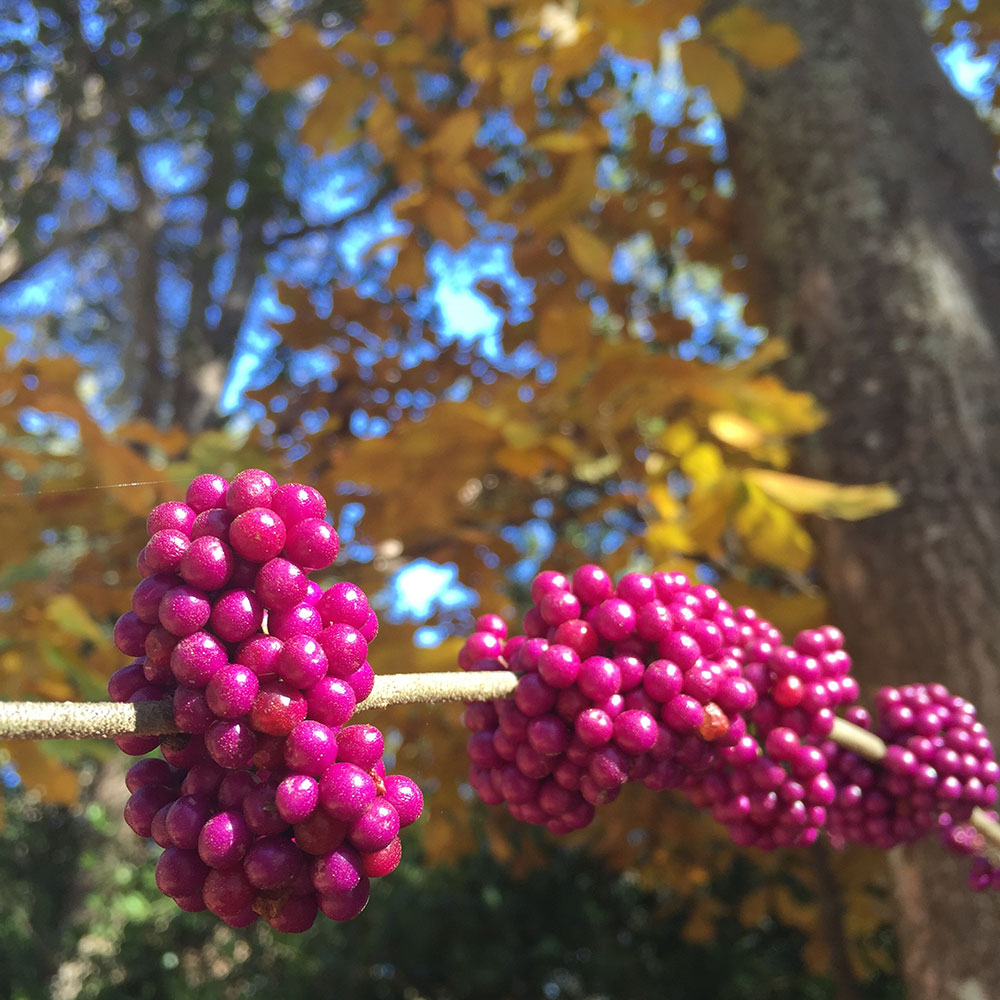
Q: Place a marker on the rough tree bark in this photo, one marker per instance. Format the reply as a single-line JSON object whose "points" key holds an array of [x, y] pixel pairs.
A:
{"points": [[869, 209]]}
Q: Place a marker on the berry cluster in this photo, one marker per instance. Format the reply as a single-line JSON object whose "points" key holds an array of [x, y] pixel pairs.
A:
{"points": [[641, 681], [270, 805], [939, 766], [661, 681]]}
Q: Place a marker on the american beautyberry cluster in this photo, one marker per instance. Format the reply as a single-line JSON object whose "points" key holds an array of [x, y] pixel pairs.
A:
{"points": [[939, 766], [661, 681], [270, 804]]}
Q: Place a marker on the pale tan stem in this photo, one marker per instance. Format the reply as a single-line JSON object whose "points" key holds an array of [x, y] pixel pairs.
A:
{"points": [[73, 720], [47, 720], [869, 746]]}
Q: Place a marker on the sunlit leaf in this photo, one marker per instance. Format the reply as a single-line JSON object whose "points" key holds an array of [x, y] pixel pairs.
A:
{"points": [[764, 44], [588, 251], [705, 66], [815, 496], [41, 771], [297, 57], [735, 430], [330, 125], [446, 220], [68, 614]]}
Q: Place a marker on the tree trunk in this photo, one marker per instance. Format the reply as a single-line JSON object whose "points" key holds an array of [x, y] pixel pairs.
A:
{"points": [[868, 208]]}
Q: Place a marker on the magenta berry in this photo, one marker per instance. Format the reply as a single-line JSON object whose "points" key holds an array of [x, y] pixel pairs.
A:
{"points": [[312, 543], [257, 534], [280, 584], [184, 610], [297, 797], [300, 619], [250, 488], [331, 700], [345, 648], [344, 604], [361, 745], [172, 514], [232, 690], [236, 615], [207, 564], [295, 502], [311, 747], [165, 550]]}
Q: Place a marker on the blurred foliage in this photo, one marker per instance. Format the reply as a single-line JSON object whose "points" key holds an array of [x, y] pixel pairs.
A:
{"points": [[468, 928]]}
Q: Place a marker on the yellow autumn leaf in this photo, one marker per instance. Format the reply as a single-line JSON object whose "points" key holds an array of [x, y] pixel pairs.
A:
{"points": [[771, 533], [597, 469], [410, 269], [678, 437], [330, 125], [589, 252], [735, 430], [446, 220], [587, 136], [455, 134], [666, 505], [562, 329], [470, 19], [42, 772], [297, 57], [382, 128], [815, 496], [703, 464], [69, 615], [664, 540], [763, 43], [705, 66], [574, 193], [710, 510], [527, 463]]}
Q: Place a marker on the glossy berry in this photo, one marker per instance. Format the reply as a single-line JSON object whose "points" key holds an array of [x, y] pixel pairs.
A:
{"points": [[257, 534], [250, 488], [312, 543]]}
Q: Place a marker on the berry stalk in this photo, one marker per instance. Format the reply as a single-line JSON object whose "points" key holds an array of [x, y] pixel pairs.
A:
{"points": [[89, 720], [70, 720], [34, 720]]}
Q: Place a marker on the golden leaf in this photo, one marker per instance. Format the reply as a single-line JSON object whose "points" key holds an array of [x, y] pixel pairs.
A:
{"points": [[815, 496], [735, 430], [562, 329], [383, 130], [764, 44], [664, 540], [771, 533], [410, 267], [589, 252], [678, 437], [525, 463], [574, 193], [455, 135], [44, 773], [66, 612], [446, 220], [290, 61], [470, 19], [703, 464], [563, 142], [478, 62], [330, 125], [705, 66]]}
